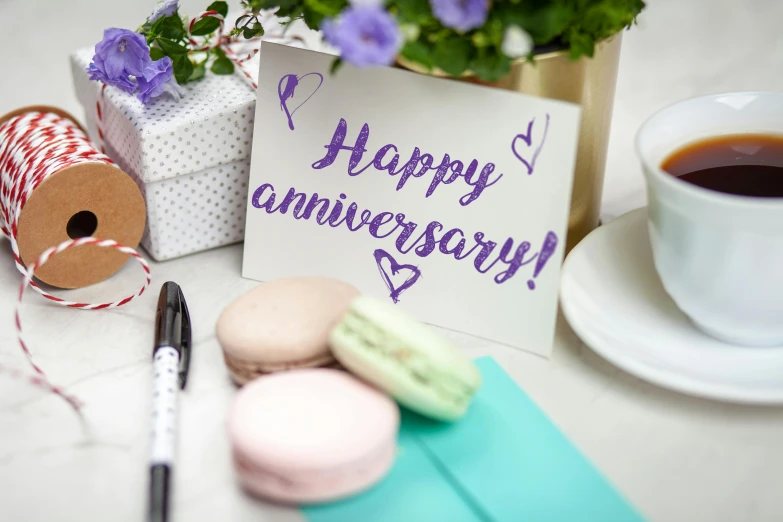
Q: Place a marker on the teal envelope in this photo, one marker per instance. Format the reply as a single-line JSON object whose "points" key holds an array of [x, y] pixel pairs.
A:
{"points": [[504, 462]]}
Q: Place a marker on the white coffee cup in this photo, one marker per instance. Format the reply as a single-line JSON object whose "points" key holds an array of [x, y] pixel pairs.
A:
{"points": [[719, 256]]}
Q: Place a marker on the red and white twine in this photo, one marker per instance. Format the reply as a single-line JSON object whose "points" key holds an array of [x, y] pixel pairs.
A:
{"points": [[34, 146], [224, 41], [99, 113]]}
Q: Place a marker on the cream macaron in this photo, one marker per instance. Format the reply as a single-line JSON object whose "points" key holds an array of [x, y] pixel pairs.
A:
{"points": [[281, 325]]}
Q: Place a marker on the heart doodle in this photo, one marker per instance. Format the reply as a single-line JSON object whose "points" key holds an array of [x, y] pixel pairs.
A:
{"points": [[528, 139], [285, 91], [413, 274]]}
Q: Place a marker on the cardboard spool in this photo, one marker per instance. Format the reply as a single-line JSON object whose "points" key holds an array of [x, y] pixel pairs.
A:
{"points": [[90, 199]]}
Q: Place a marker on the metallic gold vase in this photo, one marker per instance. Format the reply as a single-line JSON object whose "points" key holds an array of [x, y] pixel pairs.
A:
{"points": [[590, 82]]}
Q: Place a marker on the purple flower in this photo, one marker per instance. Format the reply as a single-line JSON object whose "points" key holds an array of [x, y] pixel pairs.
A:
{"points": [[365, 35], [158, 79], [124, 82], [121, 54], [165, 8], [462, 15]]}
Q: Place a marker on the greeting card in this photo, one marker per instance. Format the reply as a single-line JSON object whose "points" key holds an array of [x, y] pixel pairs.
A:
{"points": [[446, 198]]}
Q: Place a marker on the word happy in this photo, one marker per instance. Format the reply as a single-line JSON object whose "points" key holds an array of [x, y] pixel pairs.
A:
{"points": [[446, 172]]}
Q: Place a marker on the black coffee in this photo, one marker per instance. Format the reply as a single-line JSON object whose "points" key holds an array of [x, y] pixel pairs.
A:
{"points": [[742, 164]]}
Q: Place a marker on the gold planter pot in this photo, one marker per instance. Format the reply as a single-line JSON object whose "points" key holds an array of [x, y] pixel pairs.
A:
{"points": [[589, 82]]}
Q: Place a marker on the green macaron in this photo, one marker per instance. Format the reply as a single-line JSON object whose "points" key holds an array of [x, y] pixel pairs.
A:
{"points": [[405, 358]]}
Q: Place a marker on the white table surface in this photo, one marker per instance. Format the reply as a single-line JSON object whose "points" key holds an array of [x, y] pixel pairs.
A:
{"points": [[677, 458]]}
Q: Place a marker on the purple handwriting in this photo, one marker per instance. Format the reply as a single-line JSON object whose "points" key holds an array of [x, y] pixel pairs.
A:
{"points": [[478, 180], [285, 91], [547, 249], [452, 242], [410, 274], [528, 139]]}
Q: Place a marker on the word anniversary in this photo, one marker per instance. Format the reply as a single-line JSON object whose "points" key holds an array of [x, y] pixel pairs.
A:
{"points": [[409, 237]]}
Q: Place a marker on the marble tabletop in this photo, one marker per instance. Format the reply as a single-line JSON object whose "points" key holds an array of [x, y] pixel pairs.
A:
{"points": [[677, 458]]}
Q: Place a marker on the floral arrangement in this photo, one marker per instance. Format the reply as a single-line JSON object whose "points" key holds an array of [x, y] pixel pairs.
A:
{"points": [[456, 36], [169, 50]]}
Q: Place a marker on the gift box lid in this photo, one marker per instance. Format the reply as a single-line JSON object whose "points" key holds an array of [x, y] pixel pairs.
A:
{"points": [[212, 124]]}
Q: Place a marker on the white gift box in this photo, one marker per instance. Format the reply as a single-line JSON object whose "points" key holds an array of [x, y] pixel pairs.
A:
{"points": [[191, 157]]}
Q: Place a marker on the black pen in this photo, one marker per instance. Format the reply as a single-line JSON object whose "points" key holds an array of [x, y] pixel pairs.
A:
{"points": [[171, 359]]}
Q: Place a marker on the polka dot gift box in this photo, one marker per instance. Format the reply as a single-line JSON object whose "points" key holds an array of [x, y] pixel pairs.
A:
{"points": [[190, 158]]}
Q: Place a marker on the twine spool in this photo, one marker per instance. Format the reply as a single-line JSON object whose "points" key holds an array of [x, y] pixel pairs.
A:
{"points": [[81, 196], [56, 192]]}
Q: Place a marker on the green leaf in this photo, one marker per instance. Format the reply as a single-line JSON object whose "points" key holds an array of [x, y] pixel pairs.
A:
{"points": [[288, 10], [580, 45], [492, 67], [183, 68], [205, 26], [495, 30], [418, 52], [283, 4], [597, 20], [290, 14], [145, 28], [336, 64], [415, 11], [327, 8], [453, 55], [260, 5], [199, 70], [257, 5], [170, 27], [480, 39], [155, 27], [251, 32], [544, 24], [220, 7], [170, 47], [312, 18], [222, 65], [548, 23], [156, 53]]}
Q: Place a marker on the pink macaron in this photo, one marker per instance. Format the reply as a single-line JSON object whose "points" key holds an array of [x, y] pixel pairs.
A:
{"points": [[311, 435]]}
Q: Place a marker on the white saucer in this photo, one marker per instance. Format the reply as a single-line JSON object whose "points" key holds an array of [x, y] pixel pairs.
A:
{"points": [[612, 298]]}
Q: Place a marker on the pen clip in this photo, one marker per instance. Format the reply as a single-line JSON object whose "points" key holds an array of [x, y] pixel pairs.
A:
{"points": [[185, 342]]}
